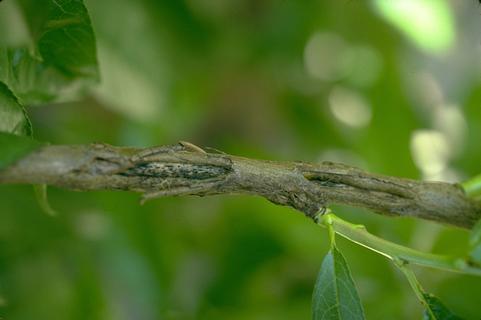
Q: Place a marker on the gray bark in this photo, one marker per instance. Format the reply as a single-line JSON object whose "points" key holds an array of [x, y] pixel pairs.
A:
{"points": [[185, 169]]}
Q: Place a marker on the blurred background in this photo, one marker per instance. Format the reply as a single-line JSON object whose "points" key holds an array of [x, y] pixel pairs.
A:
{"points": [[393, 87]]}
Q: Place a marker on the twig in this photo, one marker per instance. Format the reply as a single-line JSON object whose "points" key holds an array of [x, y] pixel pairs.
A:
{"points": [[185, 169], [397, 253]]}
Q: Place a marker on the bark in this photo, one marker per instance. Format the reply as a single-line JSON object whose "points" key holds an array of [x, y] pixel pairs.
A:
{"points": [[185, 169]]}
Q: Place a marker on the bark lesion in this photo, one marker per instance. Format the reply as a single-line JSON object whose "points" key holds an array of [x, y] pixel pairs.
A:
{"points": [[185, 169]]}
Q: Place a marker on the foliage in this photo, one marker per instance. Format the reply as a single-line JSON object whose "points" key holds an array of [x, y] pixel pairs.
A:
{"points": [[14, 119], [335, 295], [59, 57], [231, 75], [436, 309]]}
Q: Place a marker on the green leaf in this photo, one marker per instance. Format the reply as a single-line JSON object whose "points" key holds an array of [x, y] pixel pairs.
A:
{"points": [[59, 61], [14, 129], [475, 244], [13, 147], [13, 118], [13, 31], [64, 35], [335, 295], [130, 61], [436, 310]]}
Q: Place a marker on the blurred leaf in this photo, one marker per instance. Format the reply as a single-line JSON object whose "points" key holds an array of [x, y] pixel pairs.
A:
{"points": [[13, 147], [472, 187], [13, 30], [132, 56], [475, 244], [335, 295], [41, 195], [13, 118], [61, 58], [436, 309], [14, 123]]}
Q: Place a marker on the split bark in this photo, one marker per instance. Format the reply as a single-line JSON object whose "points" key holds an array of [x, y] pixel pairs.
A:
{"points": [[185, 169]]}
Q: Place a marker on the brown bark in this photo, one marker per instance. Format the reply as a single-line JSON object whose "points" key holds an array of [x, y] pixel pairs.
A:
{"points": [[185, 169]]}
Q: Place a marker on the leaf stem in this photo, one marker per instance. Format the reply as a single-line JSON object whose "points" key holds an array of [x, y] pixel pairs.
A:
{"points": [[472, 187], [393, 251], [42, 199], [330, 230], [415, 285], [411, 277]]}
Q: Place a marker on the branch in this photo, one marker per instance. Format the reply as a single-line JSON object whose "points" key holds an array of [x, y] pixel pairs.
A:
{"points": [[185, 169]]}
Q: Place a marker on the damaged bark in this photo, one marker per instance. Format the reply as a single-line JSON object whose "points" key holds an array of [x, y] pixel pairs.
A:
{"points": [[185, 169]]}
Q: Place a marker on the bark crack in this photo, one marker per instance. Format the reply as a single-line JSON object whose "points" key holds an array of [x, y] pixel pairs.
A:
{"points": [[185, 169]]}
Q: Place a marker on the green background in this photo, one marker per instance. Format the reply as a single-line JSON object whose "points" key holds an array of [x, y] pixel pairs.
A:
{"points": [[345, 80]]}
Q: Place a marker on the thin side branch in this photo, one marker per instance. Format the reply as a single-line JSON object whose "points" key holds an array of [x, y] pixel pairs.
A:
{"points": [[397, 253], [185, 169]]}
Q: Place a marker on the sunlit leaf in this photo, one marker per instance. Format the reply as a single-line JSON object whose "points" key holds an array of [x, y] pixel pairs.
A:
{"points": [[436, 310], [335, 295], [429, 24]]}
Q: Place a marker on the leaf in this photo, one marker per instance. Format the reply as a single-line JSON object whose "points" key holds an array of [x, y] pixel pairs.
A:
{"points": [[59, 61], [13, 147], [436, 310], [32, 81], [475, 244], [133, 68], [439, 14], [13, 118], [64, 35], [335, 295], [14, 126], [13, 31]]}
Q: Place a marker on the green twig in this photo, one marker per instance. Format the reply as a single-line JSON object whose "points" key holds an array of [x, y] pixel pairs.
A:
{"points": [[393, 251], [330, 230], [413, 281], [415, 285], [472, 187], [42, 199]]}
